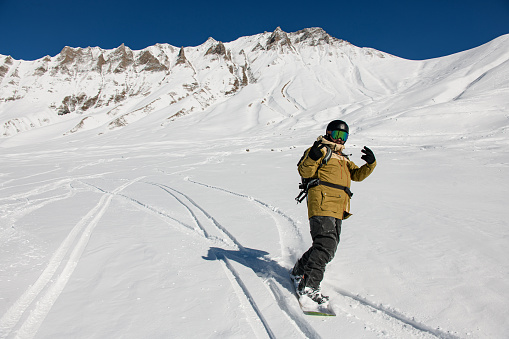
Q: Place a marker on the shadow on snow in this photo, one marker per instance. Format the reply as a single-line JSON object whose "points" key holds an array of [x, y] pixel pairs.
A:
{"points": [[256, 260]]}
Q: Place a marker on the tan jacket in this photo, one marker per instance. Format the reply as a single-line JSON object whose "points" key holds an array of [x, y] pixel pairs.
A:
{"points": [[328, 201]]}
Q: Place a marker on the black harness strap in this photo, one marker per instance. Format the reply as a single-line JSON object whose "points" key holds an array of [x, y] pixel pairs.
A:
{"points": [[344, 188], [308, 183]]}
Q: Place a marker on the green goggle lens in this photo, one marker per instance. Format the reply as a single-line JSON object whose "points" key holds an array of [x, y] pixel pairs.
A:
{"points": [[336, 135]]}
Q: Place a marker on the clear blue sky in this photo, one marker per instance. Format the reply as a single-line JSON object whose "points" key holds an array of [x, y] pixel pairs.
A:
{"points": [[412, 29]]}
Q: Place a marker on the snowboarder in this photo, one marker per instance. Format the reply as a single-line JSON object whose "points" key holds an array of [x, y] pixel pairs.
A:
{"points": [[328, 203]]}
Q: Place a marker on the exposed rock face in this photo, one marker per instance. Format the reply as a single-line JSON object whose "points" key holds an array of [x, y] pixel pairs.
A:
{"points": [[121, 59], [181, 59], [150, 63], [220, 50], [4, 68], [315, 37], [279, 39]]}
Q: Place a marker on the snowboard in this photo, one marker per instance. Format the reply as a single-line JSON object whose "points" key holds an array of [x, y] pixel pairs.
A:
{"points": [[309, 307]]}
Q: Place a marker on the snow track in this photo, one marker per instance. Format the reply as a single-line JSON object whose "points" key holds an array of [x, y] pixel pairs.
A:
{"points": [[248, 274], [243, 293], [386, 322], [217, 225], [258, 279], [32, 307], [391, 314], [289, 233]]}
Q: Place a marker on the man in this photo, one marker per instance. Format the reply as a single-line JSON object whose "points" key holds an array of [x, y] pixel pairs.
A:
{"points": [[328, 203]]}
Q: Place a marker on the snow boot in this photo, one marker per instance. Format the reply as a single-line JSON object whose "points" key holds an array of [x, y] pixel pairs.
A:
{"points": [[296, 279], [314, 294]]}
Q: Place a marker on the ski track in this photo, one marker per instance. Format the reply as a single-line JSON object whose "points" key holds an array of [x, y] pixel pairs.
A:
{"points": [[393, 314], [239, 284], [40, 297], [28, 206], [237, 280], [293, 223], [37, 301], [43, 186], [247, 295], [38, 190], [205, 213], [138, 203], [294, 315], [367, 306], [26, 177], [26, 203]]}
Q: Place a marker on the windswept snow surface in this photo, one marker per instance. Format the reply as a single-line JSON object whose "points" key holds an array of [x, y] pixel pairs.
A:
{"points": [[188, 228]]}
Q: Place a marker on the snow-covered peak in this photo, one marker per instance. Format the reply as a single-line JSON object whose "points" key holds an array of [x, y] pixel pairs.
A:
{"points": [[272, 78]]}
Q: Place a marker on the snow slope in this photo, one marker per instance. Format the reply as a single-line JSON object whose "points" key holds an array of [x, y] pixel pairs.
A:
{"points": [[187, 226]]}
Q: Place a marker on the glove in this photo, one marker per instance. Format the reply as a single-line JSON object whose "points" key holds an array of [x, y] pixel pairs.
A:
{"points": [[315, 152], [368, 156]]}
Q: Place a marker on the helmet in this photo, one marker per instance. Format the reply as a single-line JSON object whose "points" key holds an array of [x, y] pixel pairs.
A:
{"points": [[337, 130], [337, 125]]}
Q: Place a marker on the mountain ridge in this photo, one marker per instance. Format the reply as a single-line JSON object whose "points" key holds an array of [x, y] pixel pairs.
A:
{"points": [[95, 78], [110, 89]]}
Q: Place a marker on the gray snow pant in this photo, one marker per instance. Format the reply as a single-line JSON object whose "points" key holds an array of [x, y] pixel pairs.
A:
{"points": [[325, 232]]}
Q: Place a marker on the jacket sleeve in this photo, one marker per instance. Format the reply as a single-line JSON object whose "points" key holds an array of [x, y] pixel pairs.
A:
{"points": [[308, 167], [360, 173]]}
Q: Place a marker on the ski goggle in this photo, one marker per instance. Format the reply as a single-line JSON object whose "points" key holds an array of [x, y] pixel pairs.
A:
{"points": [[336, 135]]}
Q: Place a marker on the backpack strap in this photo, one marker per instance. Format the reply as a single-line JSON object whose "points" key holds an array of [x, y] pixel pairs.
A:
{"points": [[327, 156]]}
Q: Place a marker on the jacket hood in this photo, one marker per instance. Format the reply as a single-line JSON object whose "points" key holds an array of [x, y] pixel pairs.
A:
{"points": [[337, 148]]}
